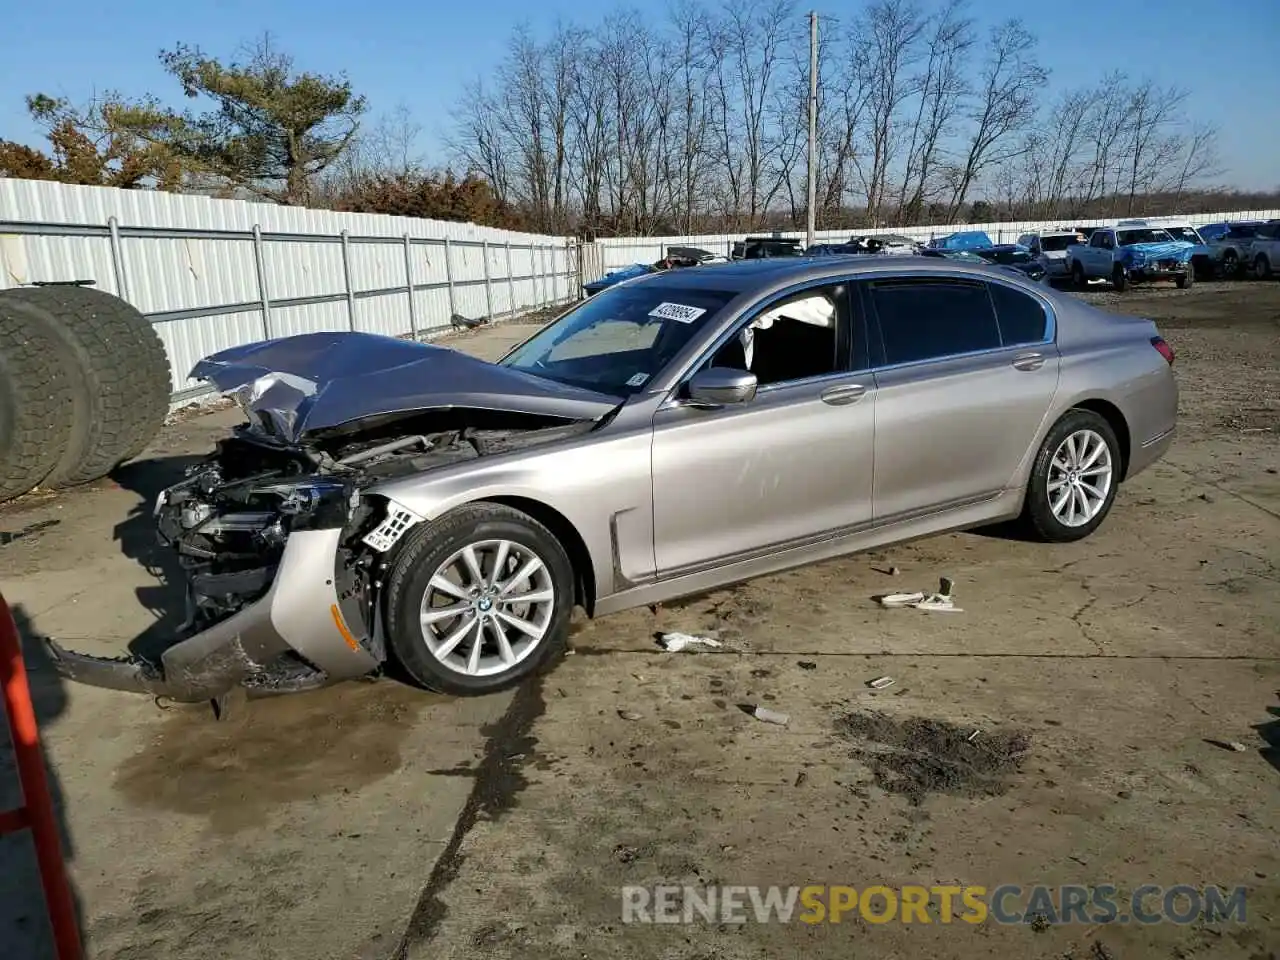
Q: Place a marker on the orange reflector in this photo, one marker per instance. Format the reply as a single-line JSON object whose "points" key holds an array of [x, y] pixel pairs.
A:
{"points": [[342, 627]]}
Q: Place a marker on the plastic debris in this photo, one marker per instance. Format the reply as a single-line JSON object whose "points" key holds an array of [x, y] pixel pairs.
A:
{"points": [[940, 602], [879, 683], [1238, 747], [628, 715], [771, 716], [678, 642]]}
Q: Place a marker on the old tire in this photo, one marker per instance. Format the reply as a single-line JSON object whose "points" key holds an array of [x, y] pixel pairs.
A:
{"points": [[1119, 280], [1042, 518], [35, 404], [118, 369], [422, 648]]}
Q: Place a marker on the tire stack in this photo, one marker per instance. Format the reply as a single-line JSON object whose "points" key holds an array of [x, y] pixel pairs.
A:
{"points": [[84, 386]]}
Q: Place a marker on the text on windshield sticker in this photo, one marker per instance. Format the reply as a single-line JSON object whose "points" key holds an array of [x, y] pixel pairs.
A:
{"points": [[677, 311]]}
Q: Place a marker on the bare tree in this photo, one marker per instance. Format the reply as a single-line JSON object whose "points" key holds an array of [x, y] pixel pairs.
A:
{"points": [[1011, 79]]}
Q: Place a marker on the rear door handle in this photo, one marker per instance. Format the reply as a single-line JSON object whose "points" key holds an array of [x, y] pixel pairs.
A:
{"points": [[1028, 361], [849, 393]]}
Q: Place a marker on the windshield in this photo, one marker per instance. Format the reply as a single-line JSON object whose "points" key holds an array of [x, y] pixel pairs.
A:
{"points": [[1127, 238], [616, 341], [1183, 233], [1059, 242]]}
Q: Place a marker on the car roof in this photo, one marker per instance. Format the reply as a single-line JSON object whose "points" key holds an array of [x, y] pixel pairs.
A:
{"points": [[748, 276]]}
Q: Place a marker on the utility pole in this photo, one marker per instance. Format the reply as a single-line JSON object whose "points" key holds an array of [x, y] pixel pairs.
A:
{"points": [[813, 128]]}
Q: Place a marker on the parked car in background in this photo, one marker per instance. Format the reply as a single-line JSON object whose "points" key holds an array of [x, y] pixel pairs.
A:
{"points": [[389, 502], [1127, 255], [1230, 250], [756, 248], [961, 240], [884, 243], [1264, 250], [1050, 247], [1201, 256], [1030, 271], [1016, 256]]}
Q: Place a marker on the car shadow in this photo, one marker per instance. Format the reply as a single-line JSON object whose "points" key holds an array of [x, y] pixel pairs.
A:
{"points": [[136, 534], [1270, 734], [24, 924]]}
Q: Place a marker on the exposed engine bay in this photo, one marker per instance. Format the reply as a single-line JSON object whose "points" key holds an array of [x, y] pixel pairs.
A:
{"points": [[230, 518]]}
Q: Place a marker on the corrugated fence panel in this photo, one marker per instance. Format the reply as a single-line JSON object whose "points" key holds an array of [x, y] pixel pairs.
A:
{"points": [[212, 274]]}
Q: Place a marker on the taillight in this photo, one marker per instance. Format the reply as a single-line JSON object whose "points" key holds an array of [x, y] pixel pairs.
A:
{"points": [[1166, 351]]}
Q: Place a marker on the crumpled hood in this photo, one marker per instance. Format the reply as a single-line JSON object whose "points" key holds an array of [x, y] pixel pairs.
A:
{"points": [[1179, 250], [315, 381]]}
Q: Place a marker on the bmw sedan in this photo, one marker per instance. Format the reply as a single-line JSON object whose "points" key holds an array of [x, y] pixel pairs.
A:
{"points": [[391, 501]]}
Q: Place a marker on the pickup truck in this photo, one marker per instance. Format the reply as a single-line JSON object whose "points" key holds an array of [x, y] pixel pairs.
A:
{"points": [[1127, 255]]}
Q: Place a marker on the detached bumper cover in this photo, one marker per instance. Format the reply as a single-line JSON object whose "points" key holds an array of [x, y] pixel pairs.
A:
{"points": [[200, 668]]}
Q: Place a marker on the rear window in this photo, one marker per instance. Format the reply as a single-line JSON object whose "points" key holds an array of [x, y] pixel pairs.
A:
{"points": [[1021, 316], [1127, 238], [1060, 242], [925, 319]]}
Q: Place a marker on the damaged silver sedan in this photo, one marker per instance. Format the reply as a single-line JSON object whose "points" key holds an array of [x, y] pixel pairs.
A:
{"points": [[395, 501]]}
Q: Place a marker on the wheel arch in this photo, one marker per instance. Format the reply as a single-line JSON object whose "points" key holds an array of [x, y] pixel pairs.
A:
{"points": [[1116, 420], [563, 530]]}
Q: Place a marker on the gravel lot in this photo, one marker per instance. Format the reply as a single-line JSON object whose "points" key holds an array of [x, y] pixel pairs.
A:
{"points": [[372, 821]]}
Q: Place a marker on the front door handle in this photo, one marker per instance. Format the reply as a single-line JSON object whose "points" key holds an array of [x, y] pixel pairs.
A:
{"points": [[1028, 361], [849, 393]]}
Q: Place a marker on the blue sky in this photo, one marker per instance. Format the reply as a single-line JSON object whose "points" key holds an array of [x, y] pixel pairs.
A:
{"points": [[420, 54]]}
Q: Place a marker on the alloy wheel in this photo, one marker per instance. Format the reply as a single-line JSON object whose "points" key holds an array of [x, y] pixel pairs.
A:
{"points": [[487, 607], [1080, 478]]}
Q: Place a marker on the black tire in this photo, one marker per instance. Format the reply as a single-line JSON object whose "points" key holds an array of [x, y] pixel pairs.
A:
{"points": [[1184, 280], [1078, 279], [1037, 514], [1119, 279], [117, 366], [35, 405], [430, 545], [1262, 267], [1230, 265]]}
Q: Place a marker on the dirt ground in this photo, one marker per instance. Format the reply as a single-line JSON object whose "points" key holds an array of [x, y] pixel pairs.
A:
{"points": [[1106, 680]]}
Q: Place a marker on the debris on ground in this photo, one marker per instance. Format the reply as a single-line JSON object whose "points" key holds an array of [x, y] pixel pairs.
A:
{"points": [[894, 571], [678, 642], [940, 602], [629, 715], [917, 756], [879, 683], [806, 665], [1238, 747], [771, 716], [459, 322]]}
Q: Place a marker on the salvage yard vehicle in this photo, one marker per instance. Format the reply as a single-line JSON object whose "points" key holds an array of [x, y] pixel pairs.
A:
{"points": [[1230, 250], [1050, 248], [389, 501], [1264, 250], [1136, 254]]}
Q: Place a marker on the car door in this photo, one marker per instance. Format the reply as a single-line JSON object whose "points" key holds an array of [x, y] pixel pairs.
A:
{"points": [[787, 466], [1100, 254], [965, 373]]}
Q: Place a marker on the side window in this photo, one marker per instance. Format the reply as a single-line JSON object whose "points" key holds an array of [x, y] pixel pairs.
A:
{"points": [[791, 339], [927, 319], [1096, 240], [1021, 317]]}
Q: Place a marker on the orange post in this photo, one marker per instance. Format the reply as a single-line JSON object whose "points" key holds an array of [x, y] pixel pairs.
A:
{"points": [[37, 809]]}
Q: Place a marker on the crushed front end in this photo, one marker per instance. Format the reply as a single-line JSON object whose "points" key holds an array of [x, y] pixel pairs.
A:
{"points": [[281, 547]]}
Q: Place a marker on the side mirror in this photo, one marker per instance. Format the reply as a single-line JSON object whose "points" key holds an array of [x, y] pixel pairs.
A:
{"points": [[718, 386]]}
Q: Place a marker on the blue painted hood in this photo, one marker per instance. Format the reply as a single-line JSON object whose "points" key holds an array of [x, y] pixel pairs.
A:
{"points": [[1179, 250]]}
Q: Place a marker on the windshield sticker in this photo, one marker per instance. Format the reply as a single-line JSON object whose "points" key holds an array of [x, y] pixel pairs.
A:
{"points": [[638, 380], [677, 311]]}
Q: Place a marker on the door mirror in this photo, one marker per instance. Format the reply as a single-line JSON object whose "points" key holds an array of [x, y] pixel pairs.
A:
{"points": [[718, 386]]}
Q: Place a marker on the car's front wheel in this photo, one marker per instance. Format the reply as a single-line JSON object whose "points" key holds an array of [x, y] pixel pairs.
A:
{"points": [[1073, 479], [478, 600]]}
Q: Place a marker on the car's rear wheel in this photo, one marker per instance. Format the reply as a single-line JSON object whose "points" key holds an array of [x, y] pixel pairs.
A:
{"points": [[1119, 279], [1230, 264], [478, 600], [1073, 479], [1262, 267], [1077, 276]]}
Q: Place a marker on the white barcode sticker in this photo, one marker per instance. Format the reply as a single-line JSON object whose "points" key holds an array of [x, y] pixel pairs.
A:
{"points": [[677, 311]]}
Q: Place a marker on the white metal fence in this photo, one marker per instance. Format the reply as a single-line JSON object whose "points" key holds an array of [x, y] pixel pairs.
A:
{"points": [[623, 251], [212, 274]]}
